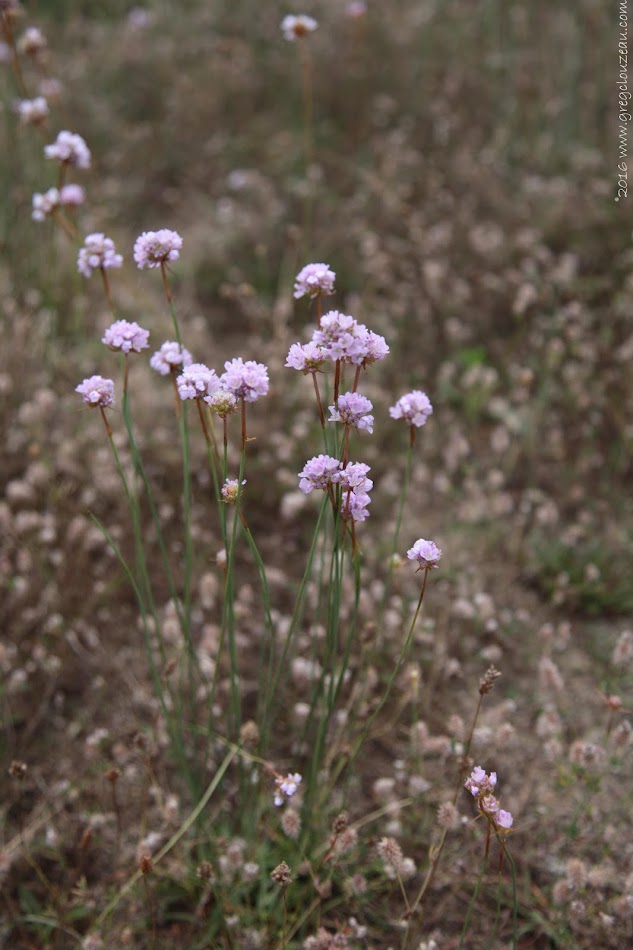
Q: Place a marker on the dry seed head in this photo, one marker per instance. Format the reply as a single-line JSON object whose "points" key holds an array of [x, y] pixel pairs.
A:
{"points": [[249, 734], [18, 769], [447, 816], [145, 864], [340, 823], [391, 853], [113, 775], [281, 874], [291, 823], [346, 841], [204, 871], [488, 680]]}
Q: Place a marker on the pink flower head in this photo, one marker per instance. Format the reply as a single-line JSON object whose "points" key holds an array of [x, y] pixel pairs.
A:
{"points": [[308, 358], [319, 472], [197, 381], [414, 407], [45, 205], [246, 380], [154, 248], [126, 337], [504, 820], [341, 337], [354, 505], [230, 490], [72, 196], [375, 348], [479, 783], [69, 149], [314, 279], [427, 554], [286, 787], [97, 391], [354, 410], [222, 402], [98, 253], [296, 27], [354, 477], [170, 358], [33, 111]]}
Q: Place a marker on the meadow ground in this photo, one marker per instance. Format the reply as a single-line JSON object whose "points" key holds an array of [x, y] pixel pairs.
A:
{"points": [[169, 662]]}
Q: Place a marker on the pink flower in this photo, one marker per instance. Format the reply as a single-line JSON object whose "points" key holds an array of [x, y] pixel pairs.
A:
{"points": [[314, 279], [354, 505], [230, 490], [354, 410], [45, 205], [97, 391], [427, 554], [126, 337], [154, 248], [72, 195], [33, 111], [308, 358], [296, 27], [479, 782], [98, 253], [286, 787], [354, 477], [69, 149], [169, 358], [197, 381], [246, 380], [503, 819], [414, 407], [318, 472]]}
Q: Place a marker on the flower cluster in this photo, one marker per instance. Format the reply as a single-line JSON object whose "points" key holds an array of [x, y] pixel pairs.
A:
{"points": [[170, 357], [343, 338], [31, 42], [481, 786], [286, 787], [45, 205], [155, 248], [426, 553], [414, 407], [354, 410], [126, 337], [33, 111], [69, 149], [319, 472], [314, 279], [98, 253], [322, 471], [97, 391], [72, 195], [296, 27], [222, 402], [308, 358], [197, 381], [246, 380]]}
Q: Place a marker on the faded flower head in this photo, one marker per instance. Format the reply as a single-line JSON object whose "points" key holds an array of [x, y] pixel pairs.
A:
{"points": [[45, 205], [222, 402], [31, 42], [197, 381], [296, 27], [308, 358], [97, 391], [246, 380], [318, 472], [230, 491], [426, 553], [33, 111], [170, 358], [69, 149], [414, 407], [98, 253], [353, 410], [286, 787], [314, 279], [488, 680], [282, 875], [391, 853], [155, 248], [128, 337]]}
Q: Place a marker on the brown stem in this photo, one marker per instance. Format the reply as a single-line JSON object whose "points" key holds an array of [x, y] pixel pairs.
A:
{"points": [[205, 428], [177, 398], [106, 288], [163, 270], [107, 425], [318, 397], [337, 379], [356, 378]]}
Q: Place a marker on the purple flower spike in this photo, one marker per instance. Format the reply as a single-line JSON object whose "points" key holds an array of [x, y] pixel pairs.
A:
{"points": [[414, 407], [154, 248], [246, 380], [125, 336], [96, 391], [426, 553], [354, 410]]}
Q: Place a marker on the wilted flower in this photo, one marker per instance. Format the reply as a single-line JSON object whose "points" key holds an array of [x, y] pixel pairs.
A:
{"points": [[314, 279], [230, 491], [45, 205], [33, 111], [426, 553], [354, 410], [246, 380], [197, 381], [170, 357], [98, 253], [69, 149], [286, 787], [318, 472], [296, 27], [154, 248], [222, 402], [31, 42], [128, 337], [414, 407], [97, 391]]}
